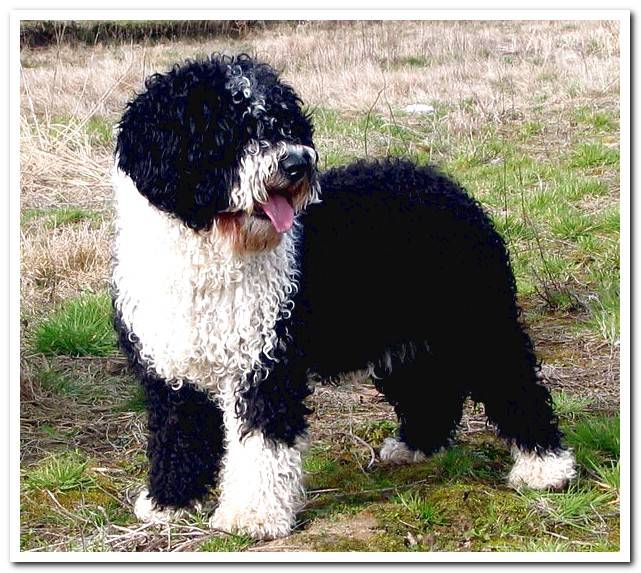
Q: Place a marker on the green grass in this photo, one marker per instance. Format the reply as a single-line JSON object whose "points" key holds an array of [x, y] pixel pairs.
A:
{"points": [[318, 464], [100, 130], [551, 214], [68, 216], [80, 327], [457, 463], [531, 128], [421, 509], [410, 508], [226, 543], [575, 508], [59, 473], [57, 382], [97, 130], [609, 221], [137, 401], [595, 440], [605, 313], [607, 476], [56, 218], [463, 502], [595, 120], [416, 61], [570, 224], [89, 383], [570, 406], [587, 155]]}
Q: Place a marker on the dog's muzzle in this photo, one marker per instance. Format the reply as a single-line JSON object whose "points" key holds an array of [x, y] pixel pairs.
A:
{"points": [[290, 188]]}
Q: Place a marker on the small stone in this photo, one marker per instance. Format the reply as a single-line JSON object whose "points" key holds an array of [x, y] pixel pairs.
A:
{"points": [[419, 108]]}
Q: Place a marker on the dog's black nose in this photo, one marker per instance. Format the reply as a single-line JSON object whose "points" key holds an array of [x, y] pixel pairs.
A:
{"points": [[296, 164]]}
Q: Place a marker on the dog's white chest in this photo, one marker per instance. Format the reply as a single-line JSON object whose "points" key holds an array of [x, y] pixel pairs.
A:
{"points": [[199, 312]]}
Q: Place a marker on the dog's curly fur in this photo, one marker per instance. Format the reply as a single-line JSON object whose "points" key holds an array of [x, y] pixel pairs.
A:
{"points": [[231, 285]]}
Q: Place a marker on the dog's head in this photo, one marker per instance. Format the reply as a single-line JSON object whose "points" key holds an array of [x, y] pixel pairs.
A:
{"points": [[221, 142]]}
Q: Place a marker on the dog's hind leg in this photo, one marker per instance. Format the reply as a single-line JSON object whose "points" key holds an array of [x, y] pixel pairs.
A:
{"points": [[428, 404], [184, 450], [521, 408], [261, 484]]}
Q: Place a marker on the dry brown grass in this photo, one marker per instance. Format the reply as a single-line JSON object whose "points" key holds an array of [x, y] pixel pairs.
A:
{"points": [[346, 65], [58, 264]]}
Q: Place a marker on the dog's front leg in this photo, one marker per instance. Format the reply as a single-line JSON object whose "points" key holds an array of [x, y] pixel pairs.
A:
{"points": [[261, 487]]}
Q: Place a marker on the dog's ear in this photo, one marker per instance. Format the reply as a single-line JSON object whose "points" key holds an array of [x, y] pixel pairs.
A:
{"points": [[178, 142]]}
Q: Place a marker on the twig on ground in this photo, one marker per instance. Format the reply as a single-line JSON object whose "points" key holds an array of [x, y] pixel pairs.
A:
{"points": [[372, 453]]}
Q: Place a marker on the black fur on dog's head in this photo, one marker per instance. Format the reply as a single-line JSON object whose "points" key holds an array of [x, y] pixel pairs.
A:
{"points": [[208, 140]]}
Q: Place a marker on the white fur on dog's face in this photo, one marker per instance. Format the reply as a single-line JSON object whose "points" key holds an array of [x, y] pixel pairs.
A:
{"points": [[259, 171], [259, 176]]}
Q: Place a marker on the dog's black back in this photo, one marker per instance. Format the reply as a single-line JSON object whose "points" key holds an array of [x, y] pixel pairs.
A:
{"points": [[395, 254]]}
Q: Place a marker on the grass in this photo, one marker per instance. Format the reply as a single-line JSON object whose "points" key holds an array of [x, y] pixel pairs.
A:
{"points": [[570, 406], [588, 155], [80, 327], [457, 463], [576, 508], [59, 473], [535, 141], [605, 313], [595, 439], [56, 218], [227, 543], [58, 383], [595, 119], [422, 510], [375, 432], [608, 477]]}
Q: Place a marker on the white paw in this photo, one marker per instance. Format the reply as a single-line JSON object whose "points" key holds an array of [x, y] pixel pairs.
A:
{"points": [[146, 512], [252, 522], [552, 470], [397, 452]]}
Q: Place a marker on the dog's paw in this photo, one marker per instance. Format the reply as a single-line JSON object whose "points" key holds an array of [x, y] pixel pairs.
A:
{"points": [[551, 470], [397, 452], [250, 522], [146, 512]]}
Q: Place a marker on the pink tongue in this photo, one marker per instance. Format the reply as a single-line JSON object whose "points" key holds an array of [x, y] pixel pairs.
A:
{"points": [[280, 212]]}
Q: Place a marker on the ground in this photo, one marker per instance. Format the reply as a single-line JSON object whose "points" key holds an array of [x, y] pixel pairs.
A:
{"points": [[524, 114]]}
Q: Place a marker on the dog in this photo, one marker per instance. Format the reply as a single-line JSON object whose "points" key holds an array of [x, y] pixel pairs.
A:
{"points": [[239, 270]]}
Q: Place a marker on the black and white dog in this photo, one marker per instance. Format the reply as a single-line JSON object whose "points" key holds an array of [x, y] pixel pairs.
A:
{"points": [[235, 278]]}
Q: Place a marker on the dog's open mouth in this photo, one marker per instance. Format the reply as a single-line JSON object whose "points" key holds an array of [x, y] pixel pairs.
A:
{"points": [[279, 210]]}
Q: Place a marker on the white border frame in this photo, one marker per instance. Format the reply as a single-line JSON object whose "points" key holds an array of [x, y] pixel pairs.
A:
{"points": [[622, 16]]}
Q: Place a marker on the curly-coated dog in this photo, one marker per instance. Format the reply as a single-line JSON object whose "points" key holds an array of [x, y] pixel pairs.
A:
{"points": [[239, 270]]}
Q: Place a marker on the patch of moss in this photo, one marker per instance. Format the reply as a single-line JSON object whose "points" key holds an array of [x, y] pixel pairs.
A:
{"points": [[226, 543], [378, 542]]}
